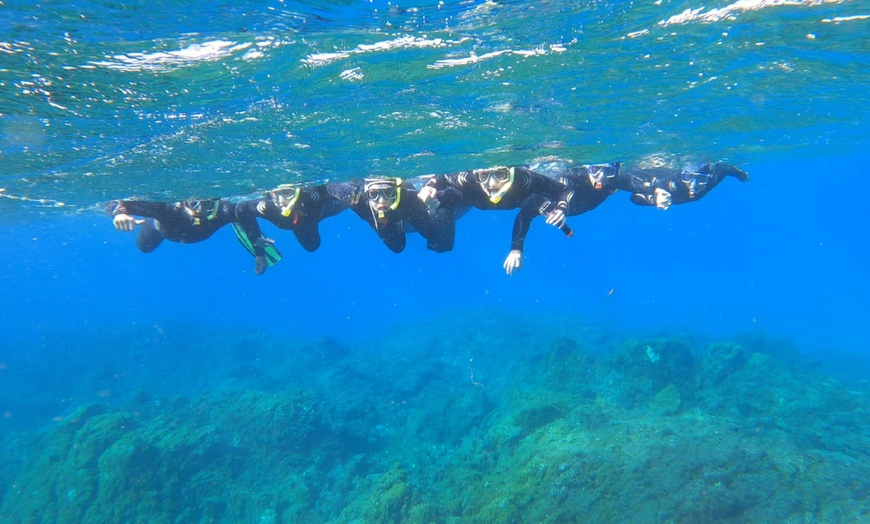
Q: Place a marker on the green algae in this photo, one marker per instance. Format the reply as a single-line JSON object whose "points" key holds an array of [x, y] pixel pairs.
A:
{"points": [[549, 429]]}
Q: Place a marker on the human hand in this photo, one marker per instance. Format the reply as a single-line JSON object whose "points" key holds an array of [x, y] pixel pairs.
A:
{"points": [[260, 264], [513, 261], [427, 195], [556, 217], [124, 222], [663, 198]]}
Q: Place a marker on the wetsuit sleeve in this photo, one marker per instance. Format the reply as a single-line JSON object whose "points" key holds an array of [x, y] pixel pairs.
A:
{"points": [[437, 230], [447, 190], [551, 189], [335, 198], [530, 208], [157, 210], [642, 184], [643, 199]]}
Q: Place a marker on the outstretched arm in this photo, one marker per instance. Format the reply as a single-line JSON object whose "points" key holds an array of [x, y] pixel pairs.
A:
{"points": [[123, 212], [531, 208]]}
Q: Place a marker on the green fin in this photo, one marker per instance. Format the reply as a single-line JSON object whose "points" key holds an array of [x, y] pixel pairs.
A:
{"points": [[273, 256], [243, 238]]}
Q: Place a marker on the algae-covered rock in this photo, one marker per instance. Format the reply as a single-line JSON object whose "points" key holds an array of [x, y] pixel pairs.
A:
{"points": [[388, 499], [131, 482], [667, 401], [534, 411], [650, 366], [721, 361], [568, 367]]}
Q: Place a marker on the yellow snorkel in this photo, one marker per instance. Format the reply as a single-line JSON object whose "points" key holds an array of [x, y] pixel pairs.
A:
{"points": [[496, 197], [377, 193], [398, 194], [214, 212], [287, 205], [194, 208]]}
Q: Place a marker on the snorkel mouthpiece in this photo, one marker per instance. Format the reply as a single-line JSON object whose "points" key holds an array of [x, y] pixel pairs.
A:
{"points": [[380, 191], [290, 204], [496, 197]]}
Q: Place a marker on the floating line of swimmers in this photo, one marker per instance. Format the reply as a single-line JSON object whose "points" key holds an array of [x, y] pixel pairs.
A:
{"points": [[430, 205]]}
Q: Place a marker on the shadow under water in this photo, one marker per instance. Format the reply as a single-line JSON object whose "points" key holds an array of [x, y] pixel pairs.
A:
{"points": [[486, 421]]}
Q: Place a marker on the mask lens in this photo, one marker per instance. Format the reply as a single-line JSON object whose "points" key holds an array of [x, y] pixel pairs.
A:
{"points": [[499, 175], [387, 193], [698, 179]]}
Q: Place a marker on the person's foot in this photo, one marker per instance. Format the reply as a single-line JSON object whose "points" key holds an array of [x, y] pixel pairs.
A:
{"points": [[728, 169]]}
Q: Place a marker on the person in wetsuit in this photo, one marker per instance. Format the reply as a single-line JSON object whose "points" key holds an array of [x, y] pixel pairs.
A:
{"points": [[591, 184], [504, 188], [391, 207], [662, 187], [290, 207], [185, 222]]}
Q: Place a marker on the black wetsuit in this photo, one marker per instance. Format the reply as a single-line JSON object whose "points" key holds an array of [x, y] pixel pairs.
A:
{"points": [[584, 195], [314, 205], [531, 192], [175, 224], [683, 186], [438, 230]]}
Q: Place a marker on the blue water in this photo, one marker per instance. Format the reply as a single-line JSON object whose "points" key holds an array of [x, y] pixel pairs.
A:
{"points": [[166, 101]]}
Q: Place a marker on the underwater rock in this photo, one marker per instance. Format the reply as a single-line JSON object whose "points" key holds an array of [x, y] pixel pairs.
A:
{"points": [[721, 360], [568, 367], [667, 401], [389, 499], [648, 367], [537, 409]]}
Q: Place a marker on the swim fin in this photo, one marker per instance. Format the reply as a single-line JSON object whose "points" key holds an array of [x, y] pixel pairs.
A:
{"points": [[273, 256]]}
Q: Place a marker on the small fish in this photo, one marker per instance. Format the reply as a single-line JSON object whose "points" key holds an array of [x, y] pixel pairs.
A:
{"points": [[611, 292]]}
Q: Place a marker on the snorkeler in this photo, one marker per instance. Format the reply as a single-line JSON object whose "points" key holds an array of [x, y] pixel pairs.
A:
{"points": [[504, 188], [589, 184], [663, 187], [187, 222], [391, 207], [290, 207]]}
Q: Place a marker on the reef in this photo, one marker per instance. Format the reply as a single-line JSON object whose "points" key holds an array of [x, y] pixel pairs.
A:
{"points": [[514, 421]]}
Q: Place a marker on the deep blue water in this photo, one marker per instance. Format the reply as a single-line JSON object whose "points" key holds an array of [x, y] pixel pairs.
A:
{"points": [[167, 101]]}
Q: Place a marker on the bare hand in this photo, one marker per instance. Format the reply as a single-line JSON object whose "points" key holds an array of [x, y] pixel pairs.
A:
{"points": [[514, 261], [427, 195], [556, 218], [123, 222], [663, 198]]}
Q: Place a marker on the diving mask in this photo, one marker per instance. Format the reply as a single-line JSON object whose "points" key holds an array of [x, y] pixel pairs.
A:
{"points": [[383, 195], [286, 199], [694, 182], [600, 174], [199, 209], [495, 182]]}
